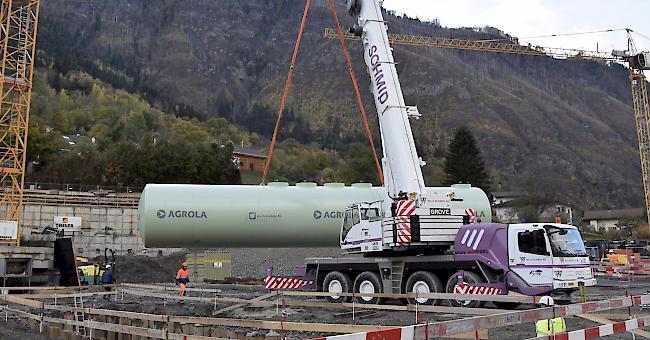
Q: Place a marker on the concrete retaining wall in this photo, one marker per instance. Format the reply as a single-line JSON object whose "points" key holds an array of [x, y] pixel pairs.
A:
{"points": [[107, 221]]}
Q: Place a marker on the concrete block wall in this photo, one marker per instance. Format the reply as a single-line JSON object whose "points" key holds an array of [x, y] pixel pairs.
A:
{"points": [[102, 226]]}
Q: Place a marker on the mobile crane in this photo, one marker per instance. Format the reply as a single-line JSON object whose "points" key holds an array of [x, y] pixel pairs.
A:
{"points": [[403, 243]]}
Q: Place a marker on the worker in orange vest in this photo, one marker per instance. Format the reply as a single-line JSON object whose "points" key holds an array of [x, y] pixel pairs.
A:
{"points": [[558, 220], [182, 278]]}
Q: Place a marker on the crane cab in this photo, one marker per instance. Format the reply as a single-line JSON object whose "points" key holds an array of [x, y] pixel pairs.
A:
{"points": [[361, 227], [640, 61]]}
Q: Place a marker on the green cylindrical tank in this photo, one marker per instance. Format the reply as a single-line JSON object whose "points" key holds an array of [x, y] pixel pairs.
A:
{"points": [[276, 215]]}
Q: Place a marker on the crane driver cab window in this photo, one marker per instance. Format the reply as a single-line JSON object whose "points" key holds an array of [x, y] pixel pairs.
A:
{"points": [[371, 214], [350, 219], [532, 242]]}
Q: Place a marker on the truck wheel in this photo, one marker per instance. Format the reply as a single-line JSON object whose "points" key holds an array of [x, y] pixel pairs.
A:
{"points": [[337, 282], [469, 277], [423, 282], [369, 283]]}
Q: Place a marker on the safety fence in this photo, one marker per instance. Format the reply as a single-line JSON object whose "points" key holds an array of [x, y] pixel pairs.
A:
{"points": [[600, 331], [475, 324], [440, 296], [44, 309], [621, 263]]}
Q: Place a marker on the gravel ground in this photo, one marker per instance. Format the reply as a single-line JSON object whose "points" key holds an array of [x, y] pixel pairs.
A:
{"points": [[14, 329], [252, 262], [246, 263]]}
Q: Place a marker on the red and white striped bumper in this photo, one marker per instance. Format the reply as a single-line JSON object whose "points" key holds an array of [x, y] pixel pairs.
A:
{"points": [[467, 289], [273, 282]]}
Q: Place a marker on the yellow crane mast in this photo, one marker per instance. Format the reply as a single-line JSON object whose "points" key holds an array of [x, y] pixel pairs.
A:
{"points": [[19, 20], [637, 62]]}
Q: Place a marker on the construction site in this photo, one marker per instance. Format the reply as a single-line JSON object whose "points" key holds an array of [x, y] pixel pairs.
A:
{"points": [[402, 260]]}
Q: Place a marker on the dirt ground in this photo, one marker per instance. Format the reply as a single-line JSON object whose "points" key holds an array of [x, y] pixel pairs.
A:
{"points": [[14, 329], [139, 269], [608, 288], [246, 263]]}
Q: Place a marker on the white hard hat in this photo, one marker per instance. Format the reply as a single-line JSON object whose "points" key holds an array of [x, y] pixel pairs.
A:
{"points": [[546, 300], [108, 266]]}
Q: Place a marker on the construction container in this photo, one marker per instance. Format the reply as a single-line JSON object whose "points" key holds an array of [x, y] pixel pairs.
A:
{"points": [[209, 265]]}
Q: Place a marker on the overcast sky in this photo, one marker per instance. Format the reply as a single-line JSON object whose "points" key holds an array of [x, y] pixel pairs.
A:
{"points": [[532, 18]]}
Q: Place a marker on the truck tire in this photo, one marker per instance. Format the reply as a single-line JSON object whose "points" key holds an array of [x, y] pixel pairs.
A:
{"points": [[337, 282], [368, 282], [469, 277], [423, 282]]}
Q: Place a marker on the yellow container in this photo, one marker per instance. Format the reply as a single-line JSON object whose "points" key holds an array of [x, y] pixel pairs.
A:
{"points": [[209, 265]]}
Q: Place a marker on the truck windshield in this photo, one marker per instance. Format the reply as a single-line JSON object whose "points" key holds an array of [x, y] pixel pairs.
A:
{"points": [[565, 242]]}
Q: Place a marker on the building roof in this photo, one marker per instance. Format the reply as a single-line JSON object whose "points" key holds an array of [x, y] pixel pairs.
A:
{"points": [[613, 214], [500, 194], [248, 152], [519, 203]]}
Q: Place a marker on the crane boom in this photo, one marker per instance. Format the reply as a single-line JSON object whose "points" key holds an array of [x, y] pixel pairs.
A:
{"points": [[402, 166], [485, 46]]}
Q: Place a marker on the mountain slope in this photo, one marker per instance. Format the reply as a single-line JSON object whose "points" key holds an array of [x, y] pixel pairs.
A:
{"points": [[562, 129]]}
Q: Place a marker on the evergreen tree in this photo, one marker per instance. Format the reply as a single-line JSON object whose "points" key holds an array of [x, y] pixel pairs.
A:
{"points": [[463, 161]]}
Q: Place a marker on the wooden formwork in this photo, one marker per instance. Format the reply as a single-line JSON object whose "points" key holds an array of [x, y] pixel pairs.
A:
{"points": [[105, 323]]}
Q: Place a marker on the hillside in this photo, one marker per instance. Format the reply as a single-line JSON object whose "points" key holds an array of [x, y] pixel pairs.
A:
{"points": [[563, 129]]}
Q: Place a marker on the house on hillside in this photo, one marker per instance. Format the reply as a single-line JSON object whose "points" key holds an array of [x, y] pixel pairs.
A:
{"points": [[608, 219], [506, 207], [71, 141], [249, 160]]}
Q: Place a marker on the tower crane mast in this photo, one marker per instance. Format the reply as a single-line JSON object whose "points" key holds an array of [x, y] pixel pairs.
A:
{"points": [[18, 21]]}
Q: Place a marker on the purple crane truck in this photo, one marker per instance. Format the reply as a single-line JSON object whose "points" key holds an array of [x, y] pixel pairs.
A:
{"points": [[529, 258]]}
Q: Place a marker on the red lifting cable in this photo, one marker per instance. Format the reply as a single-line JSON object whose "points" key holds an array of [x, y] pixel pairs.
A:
{"points": [[356, 88], [287, 86]]}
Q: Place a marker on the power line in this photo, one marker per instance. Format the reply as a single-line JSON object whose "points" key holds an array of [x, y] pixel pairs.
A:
{"points": [[642, 35]]}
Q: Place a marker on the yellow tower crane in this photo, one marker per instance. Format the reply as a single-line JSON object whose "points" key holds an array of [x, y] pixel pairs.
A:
{"points": [[637, 62], [18, 20]]}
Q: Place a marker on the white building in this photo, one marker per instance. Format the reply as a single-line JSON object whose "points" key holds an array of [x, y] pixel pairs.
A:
{"points": [[607, 219]]}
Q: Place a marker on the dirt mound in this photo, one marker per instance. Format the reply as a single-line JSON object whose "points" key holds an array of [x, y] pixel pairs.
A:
{"points": [[145, 269]]}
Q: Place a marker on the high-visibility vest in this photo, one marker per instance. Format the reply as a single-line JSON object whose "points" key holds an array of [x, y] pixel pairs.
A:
{"points": [[182, 274], [557, 325]]}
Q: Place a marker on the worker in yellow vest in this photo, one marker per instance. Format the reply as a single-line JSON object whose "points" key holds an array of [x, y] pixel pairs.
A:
{"points": [[547, 327]]}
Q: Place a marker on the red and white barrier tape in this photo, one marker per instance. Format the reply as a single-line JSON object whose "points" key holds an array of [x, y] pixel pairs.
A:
{"points": [[387, 334], [271, 282], [459, 326], [600, 331]]}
